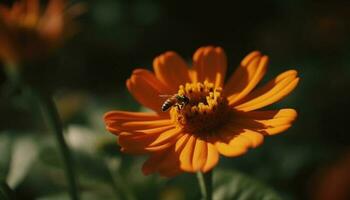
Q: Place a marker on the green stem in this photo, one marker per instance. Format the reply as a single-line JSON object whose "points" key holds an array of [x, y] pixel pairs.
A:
{"points": [[51, 114], [205, 184], [118, 183]]}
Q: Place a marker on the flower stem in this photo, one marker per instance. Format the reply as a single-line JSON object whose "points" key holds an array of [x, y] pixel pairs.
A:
{"points": [[205, 184], [51, 114]]}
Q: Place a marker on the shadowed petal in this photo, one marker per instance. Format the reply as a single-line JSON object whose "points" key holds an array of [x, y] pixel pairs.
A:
{"points": [[166, 162], [246, 77], [152, 163], [267, 122], [139, 125], [272, 92], [231, 143], [171, 70], [171, 165], [118, 121], [210, 63], [146, 89], [146, 141]]}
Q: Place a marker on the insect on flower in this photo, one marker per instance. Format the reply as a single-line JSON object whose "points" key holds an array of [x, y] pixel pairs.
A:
{"points": [[174, 100], [207, 117]]}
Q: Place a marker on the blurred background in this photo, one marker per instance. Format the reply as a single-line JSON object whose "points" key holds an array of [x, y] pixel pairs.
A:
{"points": [[88, 72]]}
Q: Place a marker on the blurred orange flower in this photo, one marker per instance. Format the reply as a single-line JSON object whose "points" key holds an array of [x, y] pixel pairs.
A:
{"points": [[217, 119], [27, 33]]}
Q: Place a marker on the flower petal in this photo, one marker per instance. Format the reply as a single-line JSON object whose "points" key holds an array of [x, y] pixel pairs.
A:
{"points": [[199, 154], [166, 162], [146, 88], [129, 116], [255, 138], [246, 77], [159, 139], [52, 22], [171, 70], [31, 13], [167, 136], [117, 127], [212, 158], [171, 165], [142, 125], [152, 163], [267, 122], [186, 155], [210, 64], [230, 150], [272, 92], [114, 119]]}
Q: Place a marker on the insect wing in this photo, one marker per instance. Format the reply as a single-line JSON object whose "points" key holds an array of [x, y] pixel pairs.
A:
{"points": [[165, 96]]}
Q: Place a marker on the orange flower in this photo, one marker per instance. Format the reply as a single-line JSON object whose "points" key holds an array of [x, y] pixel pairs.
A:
{"points": [[26, 33], [218, 119]]}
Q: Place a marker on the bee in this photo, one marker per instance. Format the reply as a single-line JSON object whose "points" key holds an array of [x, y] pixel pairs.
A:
{"points": [[175, 100]]}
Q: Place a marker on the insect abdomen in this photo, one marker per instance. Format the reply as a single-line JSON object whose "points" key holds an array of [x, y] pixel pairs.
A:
{"points": [[166, 105]]}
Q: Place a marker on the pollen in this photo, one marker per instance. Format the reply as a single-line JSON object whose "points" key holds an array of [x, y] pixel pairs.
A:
{"points": [[206, 111]]}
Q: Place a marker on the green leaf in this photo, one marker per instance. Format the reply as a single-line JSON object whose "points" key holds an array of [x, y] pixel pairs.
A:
{"points": [[5, 191], [234, 185]]}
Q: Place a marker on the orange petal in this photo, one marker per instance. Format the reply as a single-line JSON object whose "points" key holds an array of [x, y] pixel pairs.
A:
{"points": [[31, 13], [166, 162], [269, 114], [186, 155], [171, 165], [272, 92], [212, 158], [141, 138], [146, 88], [246, 77], [133, 149], [141, 125], [199, 154], [171, 70], [52, 22], [167, 136], [152, 163], [115, 119], [129, 116], [230, 142], [239, 78], [239, 133], [230, 150], [255, 138], [267, 122], [210, 64]]}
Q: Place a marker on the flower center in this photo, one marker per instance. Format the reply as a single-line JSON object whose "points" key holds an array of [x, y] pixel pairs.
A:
{"points": [[206, 112]]}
